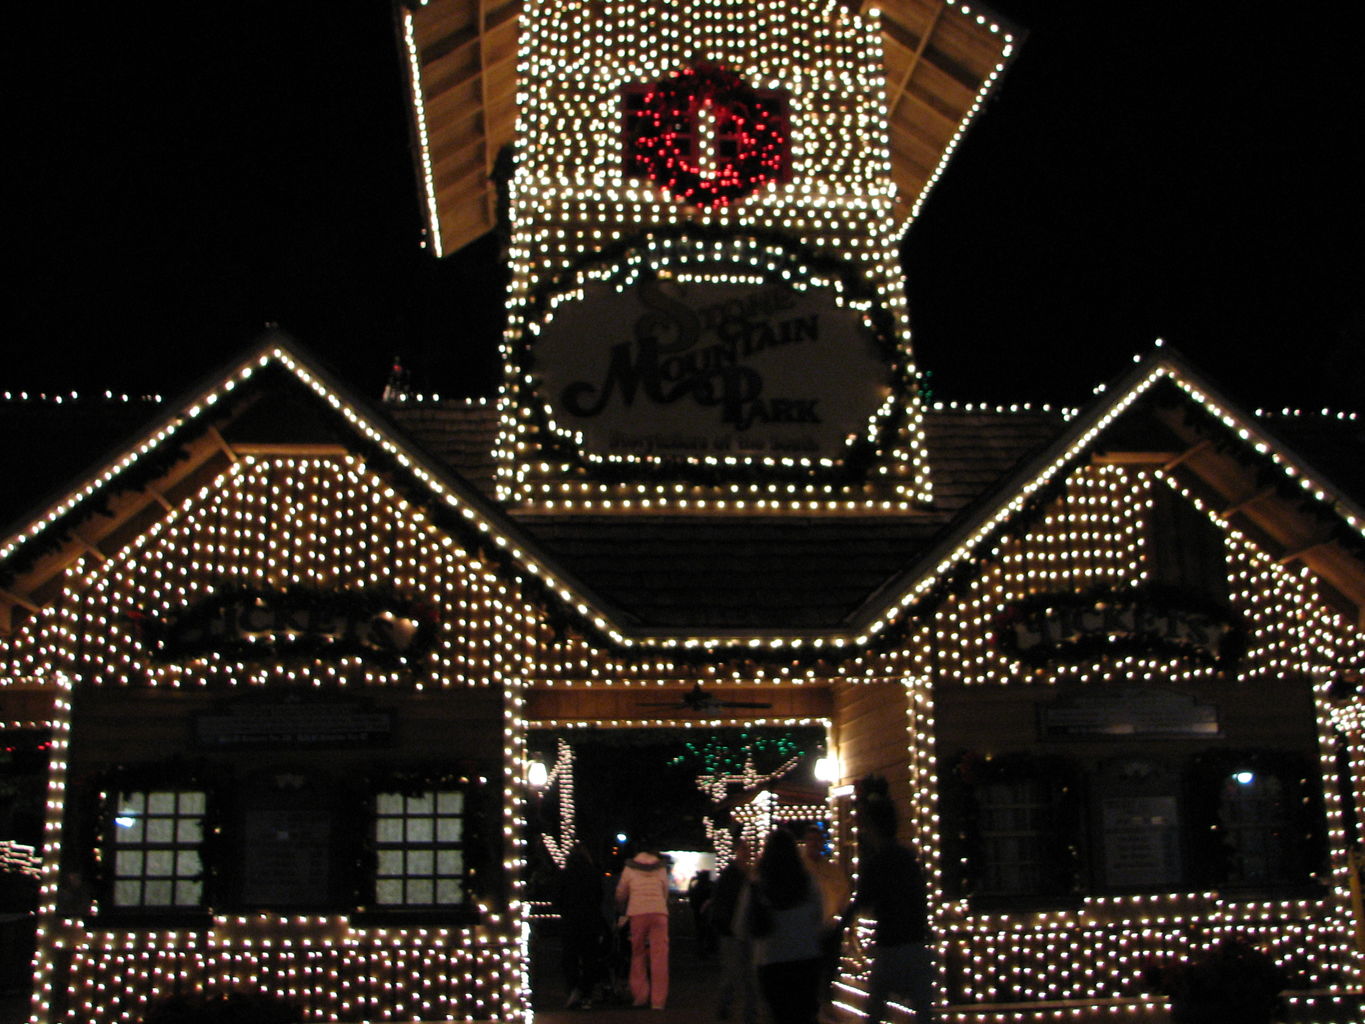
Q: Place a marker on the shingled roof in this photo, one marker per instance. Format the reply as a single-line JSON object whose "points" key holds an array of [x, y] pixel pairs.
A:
{"points": [[746, 571], [663, 576]]}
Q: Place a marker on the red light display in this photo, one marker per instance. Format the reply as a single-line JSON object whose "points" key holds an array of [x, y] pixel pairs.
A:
{"points": [[705, 136]]}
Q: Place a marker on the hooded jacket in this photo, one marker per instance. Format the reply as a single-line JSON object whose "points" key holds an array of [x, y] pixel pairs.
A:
{"points": [[643, 886]]}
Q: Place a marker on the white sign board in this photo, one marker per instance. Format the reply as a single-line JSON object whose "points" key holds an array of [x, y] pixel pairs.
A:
{"points": [[714, 369]]}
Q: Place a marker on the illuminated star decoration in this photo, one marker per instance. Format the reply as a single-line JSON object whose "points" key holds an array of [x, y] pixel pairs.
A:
{"points": [[562, 773]]}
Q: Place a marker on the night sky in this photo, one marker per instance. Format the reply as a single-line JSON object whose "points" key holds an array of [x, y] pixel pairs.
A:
{"points": [[188, 173]]}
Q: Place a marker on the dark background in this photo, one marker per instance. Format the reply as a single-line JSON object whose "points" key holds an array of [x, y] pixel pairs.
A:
{"points": [[181, 175]]}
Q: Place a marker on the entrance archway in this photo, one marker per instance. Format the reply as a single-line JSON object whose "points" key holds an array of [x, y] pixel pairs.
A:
{"points": [[685, 789]]}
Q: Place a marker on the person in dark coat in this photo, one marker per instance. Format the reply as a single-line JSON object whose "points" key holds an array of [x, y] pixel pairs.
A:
{"points": [[699, 892], [578, 899], [892, 889]]}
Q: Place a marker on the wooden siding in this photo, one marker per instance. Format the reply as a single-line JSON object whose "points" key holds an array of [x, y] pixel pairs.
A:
{"points": [[1274, 714], [122, 726], [873, 736], [622, 704]]}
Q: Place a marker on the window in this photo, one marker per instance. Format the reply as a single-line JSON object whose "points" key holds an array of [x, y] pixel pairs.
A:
{"points": [[1258, 821], [156, 856], [1255, 822], [1013, 820], [419, 847], [1012, 828]]}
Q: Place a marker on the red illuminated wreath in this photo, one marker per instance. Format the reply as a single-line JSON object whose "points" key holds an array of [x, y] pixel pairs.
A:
{"points": [[705, 136]]}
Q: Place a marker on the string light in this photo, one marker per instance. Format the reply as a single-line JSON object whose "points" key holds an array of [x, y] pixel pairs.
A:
{"points": [[817, 172], [507, 622]]}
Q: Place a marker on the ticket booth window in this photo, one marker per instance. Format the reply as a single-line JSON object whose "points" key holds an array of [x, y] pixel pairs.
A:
{"points": [[419, 846], [156, 841]]}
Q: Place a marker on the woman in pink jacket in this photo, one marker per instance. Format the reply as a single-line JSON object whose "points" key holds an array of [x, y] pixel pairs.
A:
{"points": [[643, 891]]}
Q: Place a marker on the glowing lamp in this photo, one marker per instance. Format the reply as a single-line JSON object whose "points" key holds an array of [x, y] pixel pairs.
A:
{"points": [[537, 775], [827, 768]]}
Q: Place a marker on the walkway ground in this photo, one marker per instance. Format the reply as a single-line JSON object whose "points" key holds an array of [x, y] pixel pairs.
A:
{"points": [[692, 984]]}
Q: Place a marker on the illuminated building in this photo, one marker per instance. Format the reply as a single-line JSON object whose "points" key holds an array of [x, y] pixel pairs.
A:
{"points": [[288, 645]]}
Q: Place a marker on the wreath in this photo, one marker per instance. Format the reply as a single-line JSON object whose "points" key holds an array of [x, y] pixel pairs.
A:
{"points": [[750, 126]]}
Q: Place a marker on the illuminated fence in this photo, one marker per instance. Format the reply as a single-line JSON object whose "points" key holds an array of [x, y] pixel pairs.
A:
{"points": [[1012, 969], [327, 969]]}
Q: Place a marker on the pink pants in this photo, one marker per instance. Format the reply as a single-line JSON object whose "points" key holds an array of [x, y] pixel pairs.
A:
{"points": [[649, 959]]}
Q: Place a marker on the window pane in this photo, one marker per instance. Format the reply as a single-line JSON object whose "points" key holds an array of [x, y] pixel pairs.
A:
{"points": [[160, 803], [128, 863], [1254, 818], [406, 862], [450, 802], [1012, 822], [159, 863], [419, 862], [156, 852], [422, 804]]}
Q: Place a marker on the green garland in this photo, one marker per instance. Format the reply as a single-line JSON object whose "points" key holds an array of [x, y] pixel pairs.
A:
{"points": [[190, 633], [1107, 642]]}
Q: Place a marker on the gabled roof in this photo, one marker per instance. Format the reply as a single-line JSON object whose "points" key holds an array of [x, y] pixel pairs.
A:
{"points": [[747, 571], [942, 58], [665, 579], [1163, 413], [275, 399]]}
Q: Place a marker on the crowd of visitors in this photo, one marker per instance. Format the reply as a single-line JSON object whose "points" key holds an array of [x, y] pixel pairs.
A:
{"points": [[776, 925]]}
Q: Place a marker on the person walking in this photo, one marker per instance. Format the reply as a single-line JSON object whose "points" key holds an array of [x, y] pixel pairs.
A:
{"points": [[737, 982], [891, 887], [781, 911], [643, 891], [578, 899], [834, 896], [699, 893]]}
